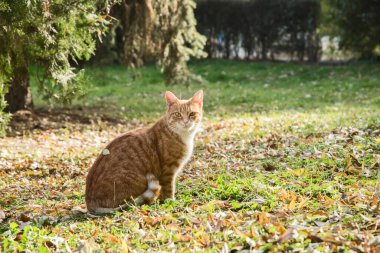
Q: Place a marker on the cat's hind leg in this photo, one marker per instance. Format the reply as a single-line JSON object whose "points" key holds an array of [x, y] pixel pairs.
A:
{"points": [[152, 192], [149, 196]]}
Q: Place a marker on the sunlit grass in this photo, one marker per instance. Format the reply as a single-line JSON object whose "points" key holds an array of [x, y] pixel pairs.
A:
{"points": [[236, 87], [288, 160]]}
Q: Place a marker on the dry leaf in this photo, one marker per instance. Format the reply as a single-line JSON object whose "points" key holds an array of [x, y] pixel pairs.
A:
{"points": [[303, 202], [173, 227], [124, 247], [239, 233], [2, 215], [263, 218], [292, 204]]}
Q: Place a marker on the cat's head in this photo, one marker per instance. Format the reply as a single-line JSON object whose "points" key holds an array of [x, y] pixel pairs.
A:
{"points": [[184, 116]]}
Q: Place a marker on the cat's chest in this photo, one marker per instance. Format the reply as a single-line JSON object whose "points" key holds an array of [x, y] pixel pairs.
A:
{"points": [[187, 152]]}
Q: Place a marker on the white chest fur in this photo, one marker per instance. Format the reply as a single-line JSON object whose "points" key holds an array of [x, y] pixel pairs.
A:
{"points": [[189, 151], [188, 140]]}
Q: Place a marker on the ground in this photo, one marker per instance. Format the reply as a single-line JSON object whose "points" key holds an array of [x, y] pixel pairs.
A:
{"points": [[288, 160]]}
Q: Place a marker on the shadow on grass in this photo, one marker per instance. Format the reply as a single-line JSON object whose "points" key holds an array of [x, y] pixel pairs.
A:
{"points": [[44, 119], [232, 87]]}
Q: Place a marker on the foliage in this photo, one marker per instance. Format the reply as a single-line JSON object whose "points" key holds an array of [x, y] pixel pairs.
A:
{"points": [[273, 169], [260, 27], [49, 34], [357, 25], [176, 24], [4, 117], [163, 31]]}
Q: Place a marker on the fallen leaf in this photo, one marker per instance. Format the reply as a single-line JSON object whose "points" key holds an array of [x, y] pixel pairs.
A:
{"points": [[269, 167], [292, 205], [314, 238], [111, 238], [124, 247], [239, 233], [24, 218], [283, 195], [303, 202], [263, 218], [298, 172], [2, 215], [181, 238], [173, 227]]}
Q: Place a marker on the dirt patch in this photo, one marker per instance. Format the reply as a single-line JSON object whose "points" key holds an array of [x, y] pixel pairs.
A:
{"points": [[24, 122]]}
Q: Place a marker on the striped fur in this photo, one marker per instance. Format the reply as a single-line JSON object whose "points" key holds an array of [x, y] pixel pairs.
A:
{"points": [[141, 166]]}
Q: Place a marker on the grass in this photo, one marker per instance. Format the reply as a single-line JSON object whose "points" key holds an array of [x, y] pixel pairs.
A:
{"points": [[288, 160], [236, 87]]}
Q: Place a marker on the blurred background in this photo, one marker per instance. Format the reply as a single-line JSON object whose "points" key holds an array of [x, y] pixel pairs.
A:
{"points": [[276, 30], [249, 55], [288, 159]]}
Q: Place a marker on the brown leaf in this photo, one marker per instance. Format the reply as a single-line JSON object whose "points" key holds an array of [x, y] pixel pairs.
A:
{"points": [[112, 238], [282, 229], [303, 202], [269, 167], [263, 218], [173, 227], [283, 195], [329, 201], [181, 238], [239, 233], [2, 215], [292, 205], [314, 238], [124, 247], [149, 220], [253, 231], [205, 239], [24, 218]]}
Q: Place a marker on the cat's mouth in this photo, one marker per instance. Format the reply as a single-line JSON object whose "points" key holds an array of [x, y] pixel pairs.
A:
{"points": [[188, 127], [185, 128]]}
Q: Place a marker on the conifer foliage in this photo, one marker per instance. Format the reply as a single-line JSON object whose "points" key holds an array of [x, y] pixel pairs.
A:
{"points": [[54, 34], [164, 31], [50, 34]]}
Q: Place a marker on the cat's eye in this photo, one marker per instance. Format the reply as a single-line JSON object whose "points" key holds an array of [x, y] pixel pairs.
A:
{"points": [[177, 114], [192, 114]]}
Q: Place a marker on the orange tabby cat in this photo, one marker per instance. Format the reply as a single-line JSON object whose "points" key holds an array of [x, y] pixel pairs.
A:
{"points": [[142, 165]]}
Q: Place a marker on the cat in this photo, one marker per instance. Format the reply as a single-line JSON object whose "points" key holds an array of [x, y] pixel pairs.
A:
{"points": [[141, 166]]}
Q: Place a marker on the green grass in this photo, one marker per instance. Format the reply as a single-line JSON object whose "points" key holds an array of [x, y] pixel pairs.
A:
{"points": [[288, 160], [236, 87]]}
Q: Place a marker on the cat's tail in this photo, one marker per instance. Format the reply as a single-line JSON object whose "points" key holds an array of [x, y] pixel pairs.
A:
{"points": [[152, 193], [148, 197]]}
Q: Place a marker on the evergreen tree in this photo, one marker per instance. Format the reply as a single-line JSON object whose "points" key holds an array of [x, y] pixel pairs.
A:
{"points": [[49, 34], [357, 23], [161, 30], [53, 34]]}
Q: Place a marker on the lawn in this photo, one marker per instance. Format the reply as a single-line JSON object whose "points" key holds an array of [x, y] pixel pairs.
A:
{"points": [[288, 160]]}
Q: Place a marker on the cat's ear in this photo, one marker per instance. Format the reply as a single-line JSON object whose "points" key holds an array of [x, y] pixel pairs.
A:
{"points": [[198, 98], [170, 98]]}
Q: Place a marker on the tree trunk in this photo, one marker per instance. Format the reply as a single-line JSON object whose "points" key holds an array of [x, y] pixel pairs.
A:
{"points": [[264, 50], [19, 96], [228, 45]]}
